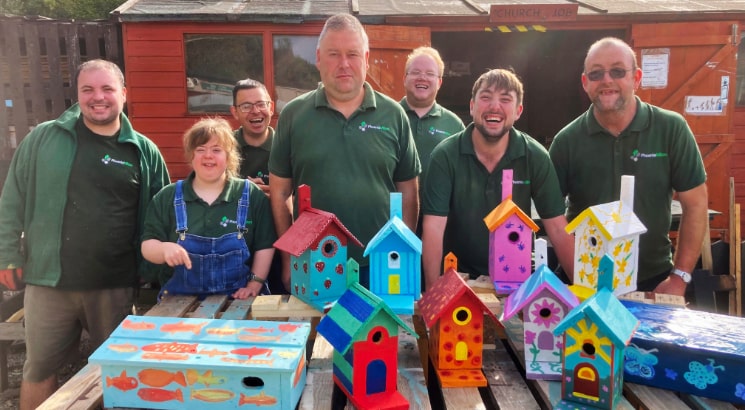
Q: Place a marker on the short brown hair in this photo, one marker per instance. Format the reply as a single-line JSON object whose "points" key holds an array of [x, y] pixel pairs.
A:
{"points": [[502, 79], [204, 129]]}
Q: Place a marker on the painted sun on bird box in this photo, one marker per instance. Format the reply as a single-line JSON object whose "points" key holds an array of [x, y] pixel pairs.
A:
{"points": [[317, 243], [544, 301], [510, 241], [455, 316], [395, 261], [595, 335], [364, 333], [613, 229]]}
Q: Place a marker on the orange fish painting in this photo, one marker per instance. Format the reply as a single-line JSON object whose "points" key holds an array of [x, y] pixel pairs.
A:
{"points": [[122, 382], [160, 378], [254, 330], [212, 395], [212, 352], [160, 395], [193, 377], [298, 372], [132, 325], [222, 331], [252, 351], [179, 327], [171, 347], [123, 348], [260, 399], [164, 356], [288, 327], [258, 338]]}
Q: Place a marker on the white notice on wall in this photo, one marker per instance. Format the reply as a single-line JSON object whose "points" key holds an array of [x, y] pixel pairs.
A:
{"points": [[655, 68], [703, 104]]}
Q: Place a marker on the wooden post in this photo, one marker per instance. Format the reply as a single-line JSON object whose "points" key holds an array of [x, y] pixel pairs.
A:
{"points": [[735, 300]]}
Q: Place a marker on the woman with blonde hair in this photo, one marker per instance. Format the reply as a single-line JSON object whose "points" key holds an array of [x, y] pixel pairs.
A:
{"points": [[215, 230]]}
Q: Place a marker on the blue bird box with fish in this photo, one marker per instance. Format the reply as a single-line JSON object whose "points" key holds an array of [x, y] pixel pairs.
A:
{"points": [[178, 363]]}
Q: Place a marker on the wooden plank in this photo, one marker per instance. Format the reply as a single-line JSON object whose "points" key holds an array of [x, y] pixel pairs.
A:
{"points": [[37, 95], [652, 398], [273, 306], [238, 309], [173, 306], [82, 392], [11, 31], [463, 398], [702, 403], [210, 307], [54, 62], [506, 383]]}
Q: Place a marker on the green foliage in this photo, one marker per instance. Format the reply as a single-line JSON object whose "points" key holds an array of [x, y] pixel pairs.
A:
{"points": [[224, 58], [61, 9]]}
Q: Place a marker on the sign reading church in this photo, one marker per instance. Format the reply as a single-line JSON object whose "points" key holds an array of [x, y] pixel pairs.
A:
{"points": [[520, 13]]}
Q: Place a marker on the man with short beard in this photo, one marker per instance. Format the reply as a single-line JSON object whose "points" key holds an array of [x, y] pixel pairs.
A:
{"points": [[76, 194], [620, 135], [464, 181]]}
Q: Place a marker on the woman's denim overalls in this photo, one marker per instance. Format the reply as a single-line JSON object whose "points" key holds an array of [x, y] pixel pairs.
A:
{"points": [[219, 266]]}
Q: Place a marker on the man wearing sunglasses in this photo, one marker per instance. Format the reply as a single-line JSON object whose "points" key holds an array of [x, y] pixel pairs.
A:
{"points": [[253, 108], [621, 135]]}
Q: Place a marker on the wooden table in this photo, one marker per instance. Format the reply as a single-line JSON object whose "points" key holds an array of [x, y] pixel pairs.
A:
{"points": [[503, 367]]}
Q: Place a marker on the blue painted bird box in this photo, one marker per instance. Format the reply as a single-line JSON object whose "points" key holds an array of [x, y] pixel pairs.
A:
{"points": [[396, 262]]}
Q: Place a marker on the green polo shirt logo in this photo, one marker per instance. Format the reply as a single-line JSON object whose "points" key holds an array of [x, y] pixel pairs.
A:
{"points": [[525, 182], [364, 126], [225, 221], [434, 131], [108, 160], [636, 155]]}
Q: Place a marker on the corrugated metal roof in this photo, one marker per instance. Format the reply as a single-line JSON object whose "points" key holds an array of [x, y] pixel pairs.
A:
{"points": [[371, 11]]}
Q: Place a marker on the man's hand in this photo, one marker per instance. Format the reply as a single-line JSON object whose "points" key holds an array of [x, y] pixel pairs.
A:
{"points": [[12, 279]]}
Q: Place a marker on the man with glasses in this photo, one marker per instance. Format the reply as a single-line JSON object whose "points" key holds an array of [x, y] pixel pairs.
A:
{"points": [[253, 108], [621, 135], [430, 122], [464, 181]]}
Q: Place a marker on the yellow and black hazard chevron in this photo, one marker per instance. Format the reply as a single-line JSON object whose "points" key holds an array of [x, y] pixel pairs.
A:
{"points": [[522, 28]]}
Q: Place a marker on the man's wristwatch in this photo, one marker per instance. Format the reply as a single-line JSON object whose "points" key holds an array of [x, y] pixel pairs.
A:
{"points": [[683, 275]]}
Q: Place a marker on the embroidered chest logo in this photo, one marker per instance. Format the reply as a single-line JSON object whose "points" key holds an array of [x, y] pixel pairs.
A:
{"points": [[364, 126], [636, 155], [108, 160], [435, 131], [225, 221]]}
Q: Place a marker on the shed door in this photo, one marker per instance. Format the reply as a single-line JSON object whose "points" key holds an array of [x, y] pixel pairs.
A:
{"points": [[389, 47], [702, 56]]}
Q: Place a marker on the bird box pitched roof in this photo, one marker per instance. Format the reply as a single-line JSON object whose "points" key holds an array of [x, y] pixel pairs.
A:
{"points": [[395, 226], [310, 224], [542, 278], [351, 313], [607, 313], [444, 294], [503, 211]]}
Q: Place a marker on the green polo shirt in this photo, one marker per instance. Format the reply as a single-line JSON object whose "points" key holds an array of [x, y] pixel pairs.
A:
{"points": [[211, 220], [459, 186], [657, 148], [254, 160], [429, 130], [352, 164]]}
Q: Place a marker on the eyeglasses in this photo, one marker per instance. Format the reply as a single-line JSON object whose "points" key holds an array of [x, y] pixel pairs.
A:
{"points": [[615, 73], [430, 75], [248, 107]]}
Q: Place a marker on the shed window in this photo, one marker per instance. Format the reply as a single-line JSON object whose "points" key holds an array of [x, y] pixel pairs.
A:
{"points": [[213, 65], [295, 69]]}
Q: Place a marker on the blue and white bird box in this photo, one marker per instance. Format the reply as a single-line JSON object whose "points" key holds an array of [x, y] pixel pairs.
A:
{"points": [[396, 262]]}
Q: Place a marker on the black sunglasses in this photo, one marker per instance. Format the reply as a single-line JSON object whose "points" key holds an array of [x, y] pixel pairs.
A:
{"points": [[615, 73]]}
